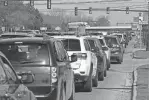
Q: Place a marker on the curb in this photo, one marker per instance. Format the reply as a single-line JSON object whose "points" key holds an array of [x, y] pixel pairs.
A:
{"points": [[135, 57], [134, 86]]}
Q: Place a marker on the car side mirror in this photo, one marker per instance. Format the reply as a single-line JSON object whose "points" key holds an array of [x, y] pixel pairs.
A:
{"points": [[26, 78], [74, 58]]}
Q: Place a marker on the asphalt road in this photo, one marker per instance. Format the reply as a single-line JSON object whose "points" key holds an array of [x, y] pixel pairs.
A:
{"points": [[118, 83]]}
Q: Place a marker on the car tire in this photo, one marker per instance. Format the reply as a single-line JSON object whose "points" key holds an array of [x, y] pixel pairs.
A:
{"points": [[119, 61], [101, 76], [105, 73], [88, 84], [63, 94], [95, 80], [109, 65], [73, 92]]}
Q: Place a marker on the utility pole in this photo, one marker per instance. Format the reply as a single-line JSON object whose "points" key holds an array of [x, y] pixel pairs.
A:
{"points": [[147, 45]]}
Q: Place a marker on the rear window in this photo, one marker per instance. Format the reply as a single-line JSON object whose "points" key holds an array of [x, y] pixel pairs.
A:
{"points": [[110, 41], [26, 53], [71, 44]]}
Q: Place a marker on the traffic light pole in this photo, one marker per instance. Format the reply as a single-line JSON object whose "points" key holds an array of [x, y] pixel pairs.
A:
{"points": [[147, 38]]}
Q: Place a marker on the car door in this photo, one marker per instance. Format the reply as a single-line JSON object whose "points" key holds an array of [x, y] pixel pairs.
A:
{"points": [[93, 45], [70, 79], [64, 66], [3, 81], [11, 84]]}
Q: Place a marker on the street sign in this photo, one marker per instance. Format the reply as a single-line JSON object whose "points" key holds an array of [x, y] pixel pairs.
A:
{"points": [[57, 28], [43, 28], [3, 29]]}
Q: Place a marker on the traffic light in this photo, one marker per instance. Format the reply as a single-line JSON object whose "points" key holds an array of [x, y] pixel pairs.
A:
{"points": [[90, 10], [127, 10], [48, 4], [5, 3], [76, 11], [108, 10], [31, 2]]}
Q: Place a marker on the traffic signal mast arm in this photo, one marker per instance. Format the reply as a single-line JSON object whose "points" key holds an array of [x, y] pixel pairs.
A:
{"points": [[103, 9]]}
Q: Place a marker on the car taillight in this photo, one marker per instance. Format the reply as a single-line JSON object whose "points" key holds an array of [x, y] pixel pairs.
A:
{"points": [[82, 55], [54, 74]]}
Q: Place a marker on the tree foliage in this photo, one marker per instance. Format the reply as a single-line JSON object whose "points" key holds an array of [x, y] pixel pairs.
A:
{"points": [[17, 14], [102, 21]]}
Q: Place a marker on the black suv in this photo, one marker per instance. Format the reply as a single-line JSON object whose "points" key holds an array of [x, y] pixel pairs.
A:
{"points": [[46, 59], [101, 56]]}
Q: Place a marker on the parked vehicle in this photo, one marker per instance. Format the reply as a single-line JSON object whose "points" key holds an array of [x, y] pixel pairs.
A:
{"points": [[101, 55], [86, 65], [11, 86], [116, 48], [47, 60]]}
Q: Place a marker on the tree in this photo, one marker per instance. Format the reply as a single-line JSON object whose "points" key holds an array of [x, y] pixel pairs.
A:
{"points": [[102, 21], [19, 14]]}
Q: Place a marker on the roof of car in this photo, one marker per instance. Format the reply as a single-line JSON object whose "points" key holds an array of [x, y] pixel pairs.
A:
{"points": [[111, 36], [27, 39], [17, 33], [69, 37]]}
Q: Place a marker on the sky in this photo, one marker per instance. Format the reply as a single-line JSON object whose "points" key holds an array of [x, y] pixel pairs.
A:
{"points": [[114, 17]]}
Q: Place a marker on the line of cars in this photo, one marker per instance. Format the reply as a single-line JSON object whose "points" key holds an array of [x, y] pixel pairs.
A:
{"points": [[52, 66]]}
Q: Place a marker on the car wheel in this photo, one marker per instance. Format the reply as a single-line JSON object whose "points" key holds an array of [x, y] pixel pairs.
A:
{"points": [[63, 94], [88, 84], [73, 92], [119, 61], [95, 80], [101, 76], [108, 65]]}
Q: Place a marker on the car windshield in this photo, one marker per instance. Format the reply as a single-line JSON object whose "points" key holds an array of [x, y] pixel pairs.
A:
{"points": [[102, 42], [71, 44], [26, 53]]}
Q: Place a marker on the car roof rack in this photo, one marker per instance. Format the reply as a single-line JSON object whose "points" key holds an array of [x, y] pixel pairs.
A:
{"points": [[69, 33]]}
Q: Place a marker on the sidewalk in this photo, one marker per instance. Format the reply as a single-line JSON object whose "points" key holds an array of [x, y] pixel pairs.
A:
{"points": [[142, 83], [140, 53]]}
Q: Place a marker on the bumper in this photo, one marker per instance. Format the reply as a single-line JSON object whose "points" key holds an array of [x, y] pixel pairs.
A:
{"points": [[79, 78], [115, 56], [50, 96]]}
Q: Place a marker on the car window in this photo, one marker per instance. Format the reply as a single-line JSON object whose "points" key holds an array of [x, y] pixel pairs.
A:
{"points": [[57, 51], [111, 41], [91, 43], [26, 53], [62, 51], [11, 76], [102, 42], [87, 47], [71, 44], [3, 78]]}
